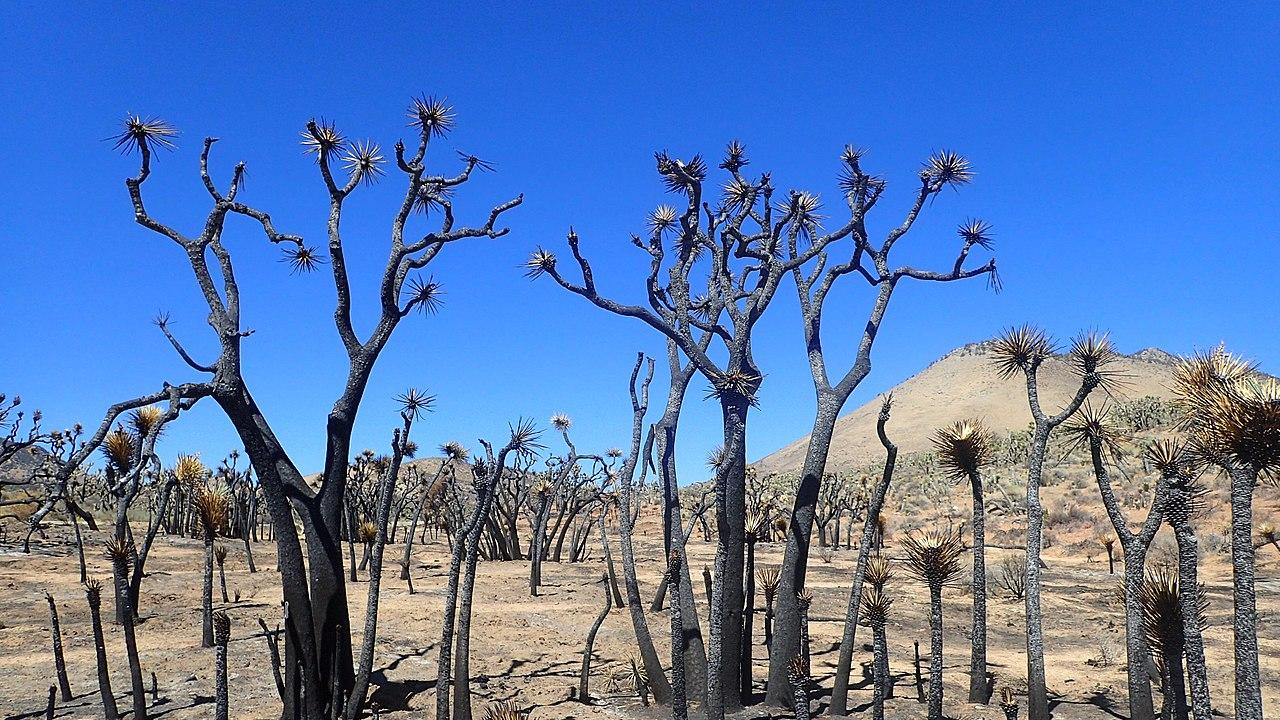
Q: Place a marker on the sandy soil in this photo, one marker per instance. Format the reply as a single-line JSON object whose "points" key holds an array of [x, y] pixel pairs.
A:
{"points": [[528, 649]]}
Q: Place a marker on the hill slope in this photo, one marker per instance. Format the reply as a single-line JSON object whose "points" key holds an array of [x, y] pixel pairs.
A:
{"points": [[962, 384]]}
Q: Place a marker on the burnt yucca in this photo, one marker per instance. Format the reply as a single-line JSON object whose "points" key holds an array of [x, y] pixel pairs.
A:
{"points": [[976, 232], [424, 295], [1231, 413], [879, 572], [934, 556], [735, 157], [662, 219], [415, 403], [1017, 349], [433, 116], [1093, 356], [213, 507], [505, 711], [947, 168], [144, 133], [145, 419], [363, 161], [189, 470], [1094, 423], [539, 262], [120, 447], [875, 607], [963, 448], [322, 138]]}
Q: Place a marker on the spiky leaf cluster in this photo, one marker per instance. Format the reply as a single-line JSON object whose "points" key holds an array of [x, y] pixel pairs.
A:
{"points": [[321, 138], [139, 133], [875, 607], [1018, 349], [363, 162], [220, 554], [189, 470], [120, 448], [976, 232], [539, 262], [145, 419], [504, 711], [425, 295], [945, 167], [213, 507], [963, 448], [768, 576], [119, 552], [933, 556], [1230, 412], [415, 403], [433, 116], [680, 176], [561, 422], [1093, 357], [93, 592], [1094, 423], [1162, 610], [879, 571], [735, 157], [454, 451]]}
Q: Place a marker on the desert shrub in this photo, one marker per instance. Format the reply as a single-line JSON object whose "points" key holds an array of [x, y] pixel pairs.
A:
{"points": [[1144, 413], [1012, 576]]}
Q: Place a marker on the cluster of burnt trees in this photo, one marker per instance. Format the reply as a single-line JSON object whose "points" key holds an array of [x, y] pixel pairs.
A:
{"points": [[713, 263]]}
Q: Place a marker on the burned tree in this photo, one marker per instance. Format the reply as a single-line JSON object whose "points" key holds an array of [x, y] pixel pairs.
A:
{"points": [[318, 658], [752, 244], [1096, 428], [1232, 416], [1021, 351], [963, 449], [814, 281], [934, 559]]}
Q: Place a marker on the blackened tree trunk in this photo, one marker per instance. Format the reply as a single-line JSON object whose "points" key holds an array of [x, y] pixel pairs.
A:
{"points": [[979, 688], [724, 686], [59, 662], [935, 652], [386, 493], [844, 665], [638, 456], [584, 675], [139, 695], [880, 670], [1189, 595], [679, 700], [862, 192], [1245, 617], [748, 616], [221, 635], [206, 594], [1134, 546], [93, 592]]}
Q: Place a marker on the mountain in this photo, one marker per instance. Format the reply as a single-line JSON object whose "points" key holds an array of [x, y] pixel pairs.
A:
{"points": [[963, 384]]}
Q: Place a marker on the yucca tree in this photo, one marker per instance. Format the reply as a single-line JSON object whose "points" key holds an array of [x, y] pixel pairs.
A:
{"points": [[1186, 498], [753, 242], [454, 454], [1109, 544], [59, 661], [120, 554], [767, 576], [1164, 625], [1020, 352], [1231, 415], [220, 558], [413, 405], [1008, 704], [875, 615], [1095, 427], [93, 595], [800, 682], [221, 635], [754, 528], [212, 509], [679, 700], [453, 668], [637, 456], [319, 663], [871, 260], [872, 527], [584, 674], [879, 573], [963, 449], [933, 557]]}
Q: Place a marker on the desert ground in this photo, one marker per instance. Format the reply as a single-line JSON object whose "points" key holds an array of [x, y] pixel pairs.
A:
{"points": [[528, 650]]}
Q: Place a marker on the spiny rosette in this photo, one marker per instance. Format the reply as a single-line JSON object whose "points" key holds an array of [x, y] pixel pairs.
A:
{"points": [[302, 258], [661, 219], [424, 295], [735, 157], [945, 167], [561, 422], [933, 556], [120, 447], [144, 133], [879, 572], [415, 403], [1018, 349], [363, 162], [1093, 357], [976, 232], [145, 419], [189, 470], [433, 116], [963, 448], [454, 451], [321, 138], [875, 607], [541, 261]]}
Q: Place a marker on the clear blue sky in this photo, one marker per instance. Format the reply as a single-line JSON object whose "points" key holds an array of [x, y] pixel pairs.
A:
{"points": [[1127, 159]]}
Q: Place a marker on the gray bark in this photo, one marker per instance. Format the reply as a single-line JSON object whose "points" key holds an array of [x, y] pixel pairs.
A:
{"points": [[1248, 690], [59, 662], [978, 685], [109, 710], [584, 675]]}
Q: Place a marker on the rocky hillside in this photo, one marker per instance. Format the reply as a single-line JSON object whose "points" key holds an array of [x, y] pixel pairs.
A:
{"points": [[962, 384]]}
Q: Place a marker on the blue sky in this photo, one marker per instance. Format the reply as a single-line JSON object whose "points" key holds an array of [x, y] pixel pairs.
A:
{"points": [[1126, 157]]}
